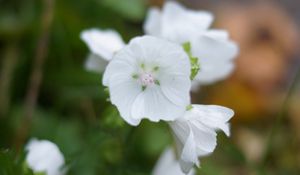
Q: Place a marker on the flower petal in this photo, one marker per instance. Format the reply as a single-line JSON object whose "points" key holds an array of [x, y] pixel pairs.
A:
{"points": [[122, 61], [189, 155], [152, 25], [44, 156], [176, 89], [153, 50], [205, 137], [152, 104], [123, 92], [215, 55], [168, 165], [95, 63], [102, 42], [180, 24], [212, 49], [215, 116], [210, 73], [217, 34]]}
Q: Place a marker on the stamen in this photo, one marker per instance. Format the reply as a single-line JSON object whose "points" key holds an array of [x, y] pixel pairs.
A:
{"points": [[147, 79]]}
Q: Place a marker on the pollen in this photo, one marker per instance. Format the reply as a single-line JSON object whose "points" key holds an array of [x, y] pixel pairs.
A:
{"points": [[147, 79]]}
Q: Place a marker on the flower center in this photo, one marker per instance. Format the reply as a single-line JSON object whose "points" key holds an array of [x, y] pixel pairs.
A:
{"points": [[147, 79]]}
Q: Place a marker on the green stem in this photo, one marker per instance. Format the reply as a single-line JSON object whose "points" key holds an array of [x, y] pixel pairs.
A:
{"points": [[11, 54], [277, 124]]}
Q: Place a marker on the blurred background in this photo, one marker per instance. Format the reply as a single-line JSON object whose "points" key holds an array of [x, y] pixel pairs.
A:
{"points": [[46, 93]]}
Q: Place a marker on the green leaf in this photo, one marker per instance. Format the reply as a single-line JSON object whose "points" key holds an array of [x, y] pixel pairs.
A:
{"points": [[11, 164], [112, 118], [195, 66], [130, 9], [189, 107]]}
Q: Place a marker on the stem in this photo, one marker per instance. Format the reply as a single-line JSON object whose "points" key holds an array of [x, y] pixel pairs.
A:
{"points": [[279, 118], [11, 53], [36, 76]]}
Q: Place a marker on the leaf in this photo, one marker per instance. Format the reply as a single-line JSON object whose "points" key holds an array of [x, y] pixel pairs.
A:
{"points": [[10, 164], [131, 9], [195, 66]]}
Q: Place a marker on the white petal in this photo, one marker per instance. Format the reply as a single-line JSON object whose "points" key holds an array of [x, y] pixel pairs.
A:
{"points": [[44, 156], [95, 63], [189, 155], [123, 92], [121, 64], [168, 165], [180, 24], [205, 137], [153, 50], [217, 34], [152, 25], [212, 49], [152, 104], [214, 116], [210, 73], [174, 81], [185, 166], [176, 89], [103, 43], [185, 143], [215, 56]]}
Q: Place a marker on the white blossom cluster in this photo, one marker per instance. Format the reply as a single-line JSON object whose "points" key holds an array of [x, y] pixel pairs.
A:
{"points": [[151, 77]]}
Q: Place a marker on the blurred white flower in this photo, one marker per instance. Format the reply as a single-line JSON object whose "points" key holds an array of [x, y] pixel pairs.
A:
{"points": [[149, 78], [94, 63], [213, 48], [176, 23], [169, 165], [44, 156], [103, 44], [195, 132], [216, 53]]}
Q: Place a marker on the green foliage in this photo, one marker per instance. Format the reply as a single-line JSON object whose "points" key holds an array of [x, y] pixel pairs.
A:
{"points": [[195, 66], [131, 9], [10, 165]]}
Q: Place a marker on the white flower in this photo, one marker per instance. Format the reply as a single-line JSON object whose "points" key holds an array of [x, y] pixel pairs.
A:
{"points": [[176, 23], [149, 78], [103, 44], [44, 156], [94, 63], [212, 47], [195, 132], [168, 165], [215, 53]]}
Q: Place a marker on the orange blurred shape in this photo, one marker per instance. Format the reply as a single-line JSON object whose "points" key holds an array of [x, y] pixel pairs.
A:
{"points": [[268, 37]]}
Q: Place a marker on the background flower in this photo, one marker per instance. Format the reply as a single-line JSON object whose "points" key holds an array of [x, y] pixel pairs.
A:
{"points": [[176, 23], [44, 156], [215, 52], [102, 44]]}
